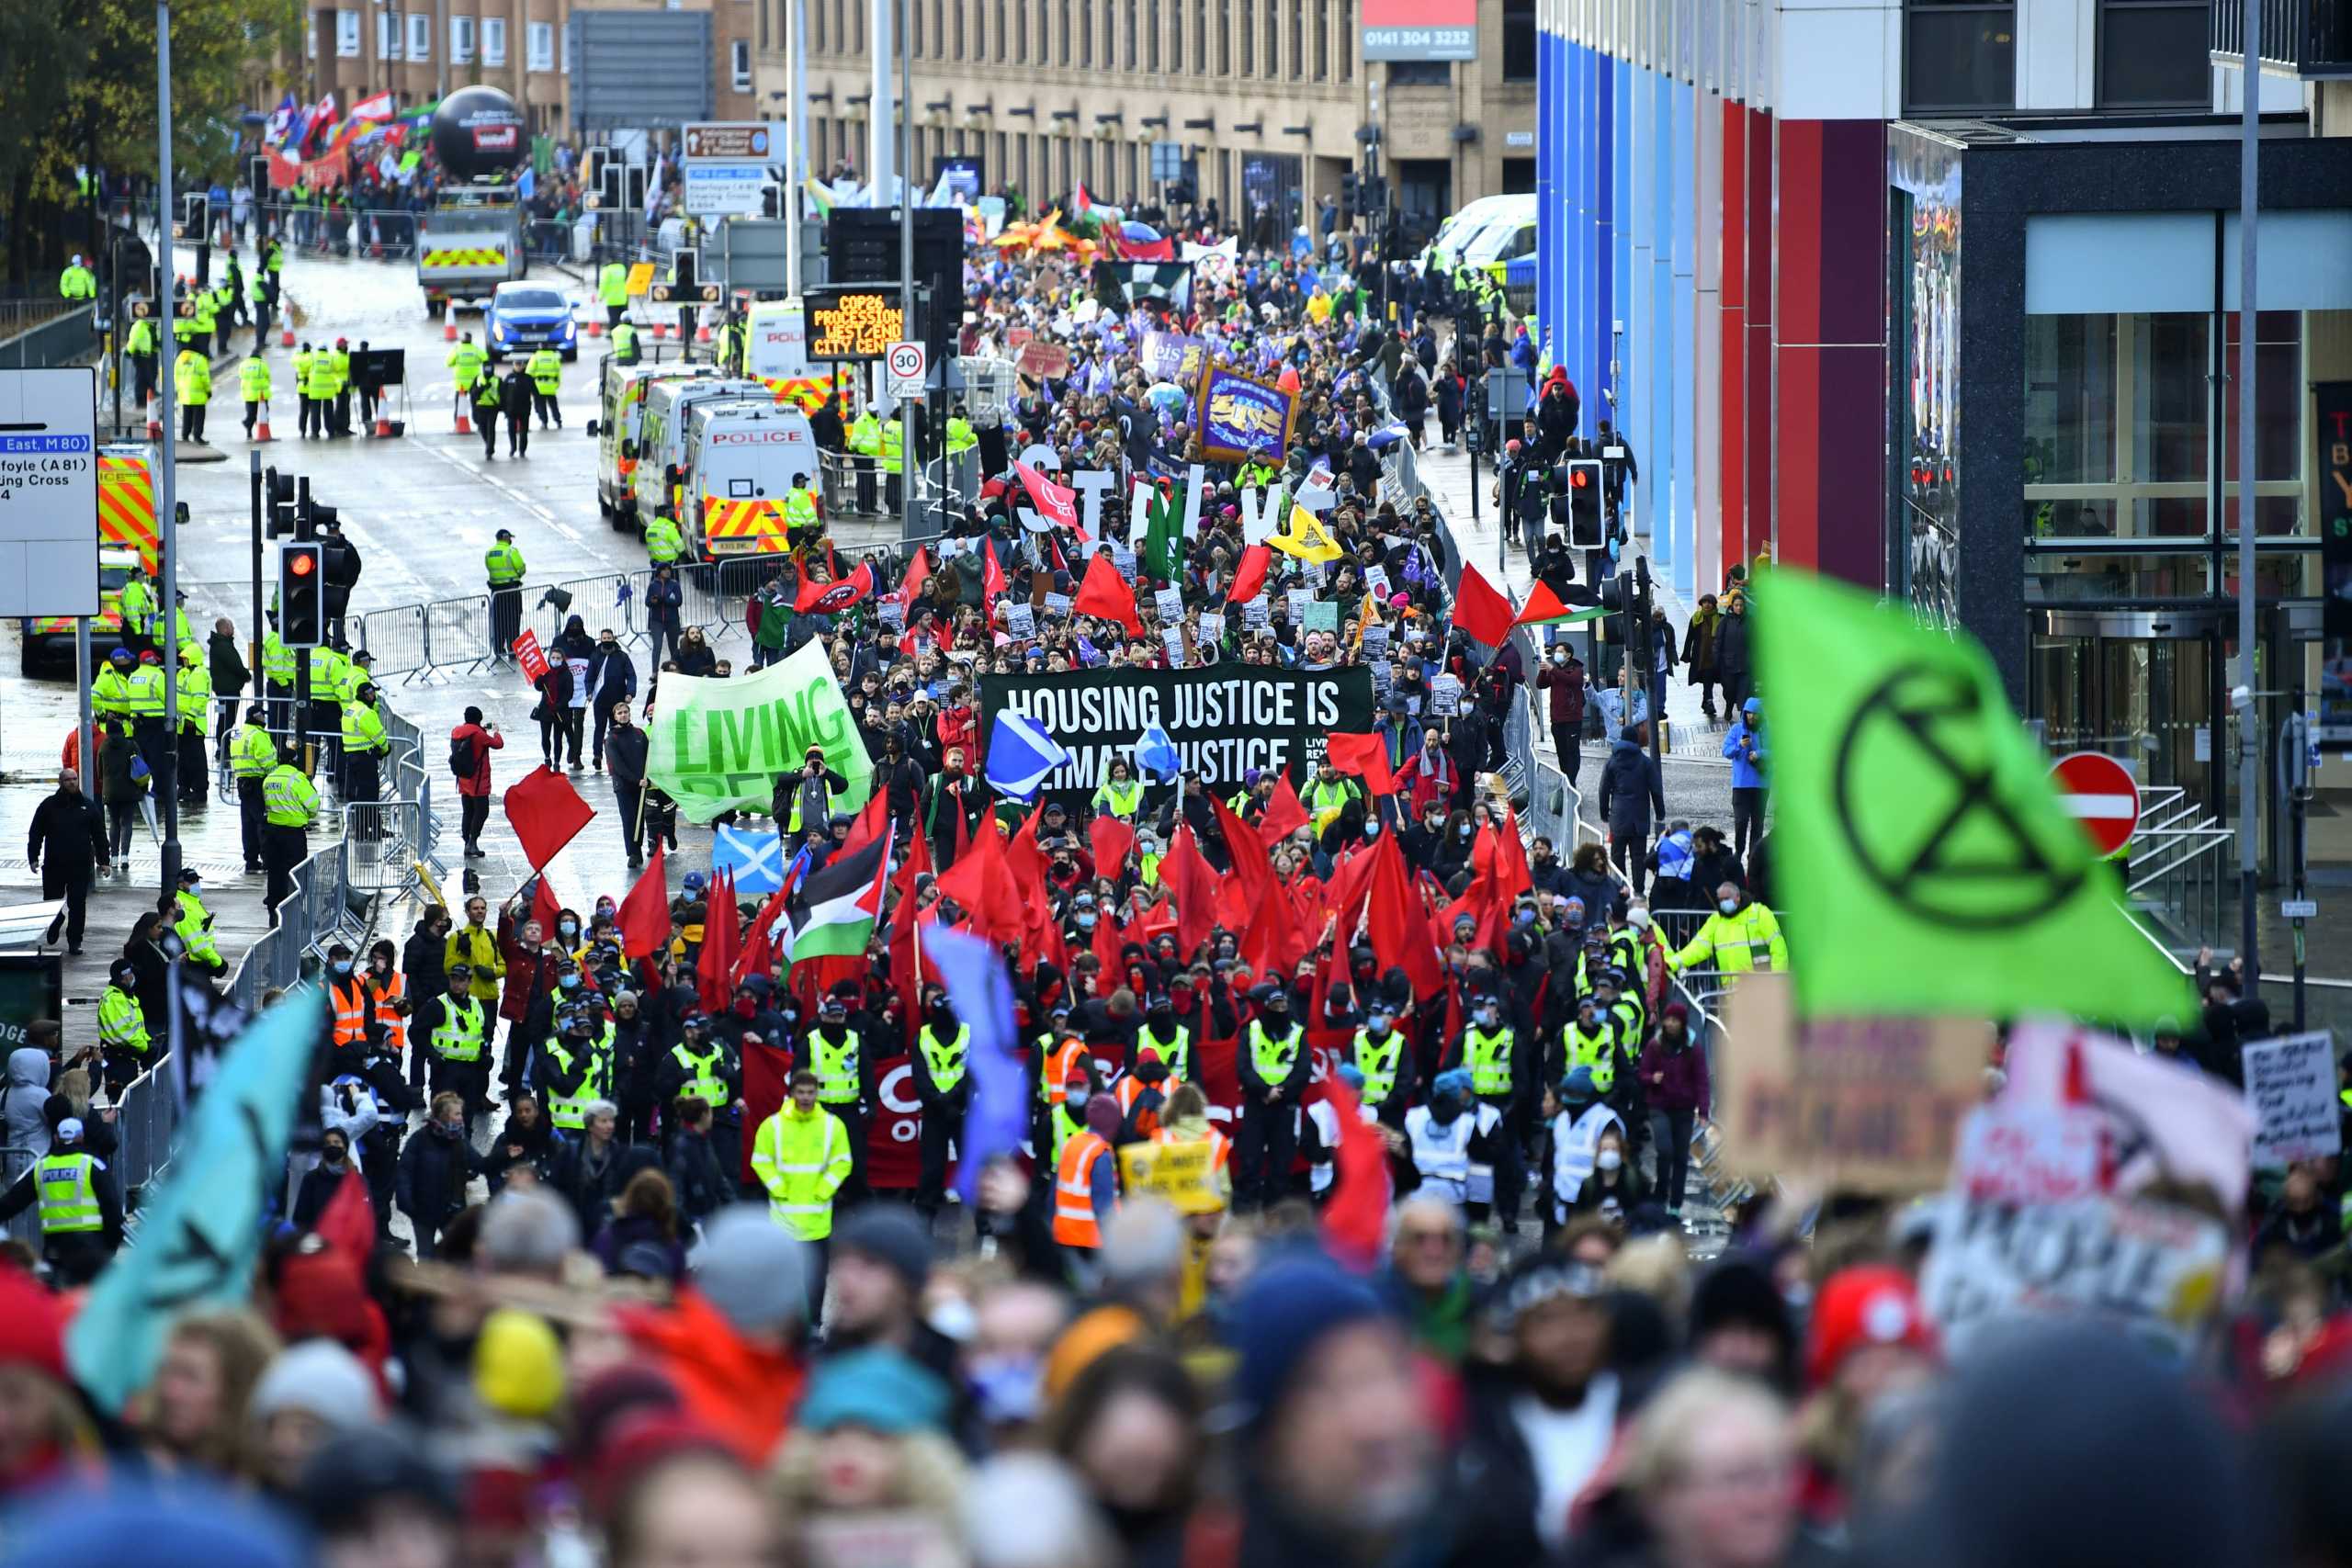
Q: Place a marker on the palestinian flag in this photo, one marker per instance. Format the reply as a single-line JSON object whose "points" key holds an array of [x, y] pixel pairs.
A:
{"points": [[821, 597], [835, 915], [1544, 608]]}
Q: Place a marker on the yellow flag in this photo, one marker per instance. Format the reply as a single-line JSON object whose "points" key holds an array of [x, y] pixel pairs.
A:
{"points": [[1306, 537]]}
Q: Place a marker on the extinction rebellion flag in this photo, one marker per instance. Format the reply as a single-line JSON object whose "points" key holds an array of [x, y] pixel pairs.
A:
{"points": [[1223, 721]]}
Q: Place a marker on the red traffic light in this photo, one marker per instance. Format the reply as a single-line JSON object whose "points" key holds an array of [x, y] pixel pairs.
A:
{"points": [[300, 563], [1578, 478]]}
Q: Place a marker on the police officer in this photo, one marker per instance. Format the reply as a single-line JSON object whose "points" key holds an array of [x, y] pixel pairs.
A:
{"points": [[802, 523], [611, 288], [452, 1032], [664, 542], [1274, 1066], [514, 394], [339, 388], [465, 362], [144, 701], [1164, 1034], [306, 420], [251, 756], [1489, 1049], [81, 1217], [258, 298], [486, 395], [364, 744], [570, 1072], [626, 349], [252, 381], [277, 667], [844, 1070], [503, 563], [1386, 1065], [942, 1048], [706, 1068], [290, 804], [196, 708], [123, 1027], [192, 922], [318, 390], [140, 344], [546, 370], [77, 282], [139, 606], [326, 705], [192, 380]]}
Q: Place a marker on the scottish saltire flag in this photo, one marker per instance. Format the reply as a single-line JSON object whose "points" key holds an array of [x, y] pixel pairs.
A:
{"points": [[755, 858], [1020, 754], [1155, 752], [528, 186]]}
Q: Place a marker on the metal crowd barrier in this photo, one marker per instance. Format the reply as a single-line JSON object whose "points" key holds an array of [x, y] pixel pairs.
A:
{"points": [[145, 1119], [291, 952], [14, 1165]]}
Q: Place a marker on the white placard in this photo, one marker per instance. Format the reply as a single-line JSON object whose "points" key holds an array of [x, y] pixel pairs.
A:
{"points": [[1057, 604], [1297, 599], [1376, 577], [1170, 602], [2290, 1089], [1255, 614], [1445, 695], [1174, 637], [1020, 622], [1211, 629]]}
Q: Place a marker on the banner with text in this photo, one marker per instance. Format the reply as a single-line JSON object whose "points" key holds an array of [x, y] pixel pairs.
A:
{"points": [[1224, 720], [1241, 418]]}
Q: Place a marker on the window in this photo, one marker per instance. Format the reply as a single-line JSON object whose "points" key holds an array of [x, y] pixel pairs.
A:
{"points": [[1248, 36], [980, 48], [1322, 40], [740, 59], [1273, 41], [1151, 34], [567, 50], [346, 35], [493, 40], [1519, 40], [538, 44], [1960, 56], [420, 38], [1132, 58], [911, 15], [1063, 51], [763, 5], [2151, 54], [461, 41], [958, 14], [1086, 32], [1021, 28]]}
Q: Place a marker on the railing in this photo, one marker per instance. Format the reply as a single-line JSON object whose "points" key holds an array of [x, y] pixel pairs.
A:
{"points": [[16, 1165], [2314, 36], [388, 233]]}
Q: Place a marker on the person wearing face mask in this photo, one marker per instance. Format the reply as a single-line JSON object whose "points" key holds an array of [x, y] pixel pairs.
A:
{"points": [[844, 1068], [942, 1046], [1274, 1066], [323, 1181], [388, 1002], [1576, 1117], [570, 1072], [1379, 1054], [1140, 1094], [1562, 680], [348, 1002], [1615, 1188], [1171, 1040], [625, 747], [1674, 1080], [1086, 1188], [1489, 1051], [612, 683], [451, 1032], [708, 1065], [1444, 1136], [1738, 939], [1589, 1040], [433, 1170]]}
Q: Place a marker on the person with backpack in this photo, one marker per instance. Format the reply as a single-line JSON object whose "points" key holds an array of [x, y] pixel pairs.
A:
{"points": [[471, 745]]}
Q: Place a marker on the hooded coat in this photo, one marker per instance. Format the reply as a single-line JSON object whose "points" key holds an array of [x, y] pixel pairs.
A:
{"points": [[22, 1097]]}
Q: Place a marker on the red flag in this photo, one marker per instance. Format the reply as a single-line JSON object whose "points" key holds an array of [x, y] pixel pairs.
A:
{"points": [[1105, 594], [906, 953], [818, 597], [644, 918], [767, 1079], [991, 575], [1271, 941], [1191, 882], [544, 908], [1251, 575], [981, 885], [546, 814], [1480, 609], [1399, 932], [918, 572], [347, 1224], [1057, 503], [760, 953], [1285, 814], [1110, 838], [870, 824], [1106, 949], [721, 939], [1366, 756], [1355, 1221]]}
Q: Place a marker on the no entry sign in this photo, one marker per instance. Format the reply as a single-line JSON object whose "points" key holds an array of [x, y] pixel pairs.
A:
{"points": [[2100, 793]]}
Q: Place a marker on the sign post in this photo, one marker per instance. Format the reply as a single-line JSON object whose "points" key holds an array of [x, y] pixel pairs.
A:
{"points": [[2100, 793], [906, 365], [725, 165]]}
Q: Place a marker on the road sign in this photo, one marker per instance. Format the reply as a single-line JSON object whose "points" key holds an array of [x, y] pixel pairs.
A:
{"points": [[724, 165], [48, 492], [2100, 793], [905, 364], [738, 141], [2299, 909], [724, 190]]}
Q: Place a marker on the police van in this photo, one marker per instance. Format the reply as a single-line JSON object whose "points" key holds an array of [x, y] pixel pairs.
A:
{"points": [[662, 435], [620, 425], [741, 457]]}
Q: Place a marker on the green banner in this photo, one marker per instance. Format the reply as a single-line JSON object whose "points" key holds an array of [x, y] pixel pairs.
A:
{"points": [[719, 745], [1924, 862]]}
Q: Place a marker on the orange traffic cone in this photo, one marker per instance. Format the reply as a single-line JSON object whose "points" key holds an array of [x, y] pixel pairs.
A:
{"points": [[465, 425], [261, 432], [448, 331], [595, 329], [702, 335], [661, 331], [285, 337], [383, 426]]}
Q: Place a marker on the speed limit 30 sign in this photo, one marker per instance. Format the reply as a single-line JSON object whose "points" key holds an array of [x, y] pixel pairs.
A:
{"points": [[906, 365]]}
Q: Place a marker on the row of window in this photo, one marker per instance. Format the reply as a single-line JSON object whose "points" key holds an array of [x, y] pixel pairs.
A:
{"points": [[1037, 163], [1960, 56], [410, 37], [1297, 40]]}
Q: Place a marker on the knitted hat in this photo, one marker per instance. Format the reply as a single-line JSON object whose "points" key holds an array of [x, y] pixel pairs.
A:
{"points": [[518, 1366], [753, 1270], [892, 1235], [1738, 1293], [319, 1378], [1288, 1308], [882, 1391], [1860, 1307]]}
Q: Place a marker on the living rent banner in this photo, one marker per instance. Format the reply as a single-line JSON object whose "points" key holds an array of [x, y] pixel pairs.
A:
{"points": [[1224, 720], [719, 745]]}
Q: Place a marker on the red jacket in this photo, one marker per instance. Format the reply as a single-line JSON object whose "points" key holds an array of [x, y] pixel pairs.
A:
{"points": [[961, 726], [530, 972], [478, 782]]}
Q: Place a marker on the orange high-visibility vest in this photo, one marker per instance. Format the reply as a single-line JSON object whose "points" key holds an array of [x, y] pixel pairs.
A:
{"points": [[350, 1011], [1058, 1063], [386, 995], [1074, 1222]]}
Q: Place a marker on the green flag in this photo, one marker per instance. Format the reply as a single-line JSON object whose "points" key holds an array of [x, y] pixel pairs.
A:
{"points": [[721, 745], [1163, 540], [1920, 851]]}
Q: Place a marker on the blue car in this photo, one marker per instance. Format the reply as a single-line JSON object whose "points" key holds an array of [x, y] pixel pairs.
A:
{"points": [[524, 316]]}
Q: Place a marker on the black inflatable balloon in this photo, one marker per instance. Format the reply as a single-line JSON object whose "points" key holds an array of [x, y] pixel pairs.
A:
{"points": [[477, 132]]}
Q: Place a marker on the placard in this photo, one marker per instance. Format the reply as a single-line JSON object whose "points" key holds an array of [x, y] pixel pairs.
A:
{"points": [[2032, 1153], [1241, 418], [1375, 640], [1185, 1174], [1322, 615], [531, 656], [893, 610], [1872, 1104], [1020, 622], [1375, 577], [1445, 695], [1041, 360], [1057, 605], [1212, 626], [2290, 1089], [1125, 559], [1297, 599], [1170, 602], [1172, 639], [1257, 614]]}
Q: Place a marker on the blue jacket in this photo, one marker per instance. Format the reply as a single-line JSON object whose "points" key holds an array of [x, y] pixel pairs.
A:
{"points": [[1745, 775], [612, 677]]}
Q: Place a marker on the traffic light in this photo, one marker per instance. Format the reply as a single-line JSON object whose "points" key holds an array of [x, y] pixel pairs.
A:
{"points": [[301, 593], [1348, 196], [1585, 528], [278, 495], [1626, 597]]}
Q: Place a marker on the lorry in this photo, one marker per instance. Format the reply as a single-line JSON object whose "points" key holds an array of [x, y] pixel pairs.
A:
{"points": [[620, 422], [467, 244], [741, 458], [128, 537], [662, 435]]}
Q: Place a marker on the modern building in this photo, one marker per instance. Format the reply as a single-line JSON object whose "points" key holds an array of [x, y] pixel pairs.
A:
{"points": [[1939, 296], [522, 46], [1266, 98]]}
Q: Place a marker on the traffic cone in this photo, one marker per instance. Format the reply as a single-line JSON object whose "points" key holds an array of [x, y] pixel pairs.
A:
{"points": [[465, 425], [384, 426], [261, 432], [448, 331], [661, 332], [702, 335], [595, 329], [285, 337], [154, 425]]}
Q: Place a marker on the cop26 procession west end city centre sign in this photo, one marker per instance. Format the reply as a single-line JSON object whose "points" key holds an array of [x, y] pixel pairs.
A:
{"points": [[1223, 721]]}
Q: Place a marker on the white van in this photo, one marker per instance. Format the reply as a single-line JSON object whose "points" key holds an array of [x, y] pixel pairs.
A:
{"points": [[662, 439], [743, 459], [620, 424]]}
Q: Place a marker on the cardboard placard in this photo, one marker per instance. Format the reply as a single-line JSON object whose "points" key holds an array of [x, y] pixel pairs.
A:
{"points": [[1170, 602], [1057, 604], [1445, 695], [1020, 621], [1322, 615], [1040, 360], [2290, 1089], [1872, 1104], [1185, 1174], [2017, 1152]]}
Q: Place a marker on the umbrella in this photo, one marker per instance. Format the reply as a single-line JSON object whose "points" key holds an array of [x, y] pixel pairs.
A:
{"points": [[1142, 233]]}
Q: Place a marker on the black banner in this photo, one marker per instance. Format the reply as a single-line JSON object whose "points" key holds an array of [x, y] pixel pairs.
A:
{"points": [[1224, 720]]}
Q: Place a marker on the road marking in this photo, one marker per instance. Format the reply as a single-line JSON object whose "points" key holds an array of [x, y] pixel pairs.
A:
{"points": [[517, 497]]}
